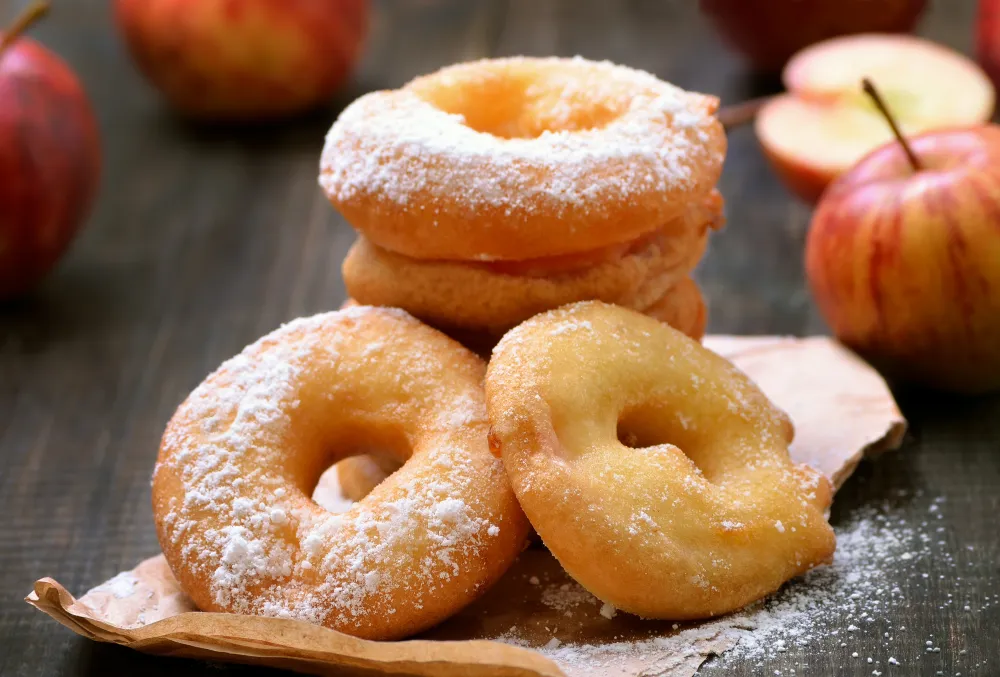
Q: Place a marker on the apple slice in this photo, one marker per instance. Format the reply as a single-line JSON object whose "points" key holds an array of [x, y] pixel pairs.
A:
{"points": [[825, 124], [810, 144], [928, 79]]}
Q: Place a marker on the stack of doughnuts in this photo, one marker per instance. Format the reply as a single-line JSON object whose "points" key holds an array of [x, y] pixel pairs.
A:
{"points": [[490, 191], [487, 197]]}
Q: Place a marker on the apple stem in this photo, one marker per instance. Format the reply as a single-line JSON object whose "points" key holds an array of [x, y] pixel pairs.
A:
{"points": [[32, 13], [739, 114], [871, 91]]}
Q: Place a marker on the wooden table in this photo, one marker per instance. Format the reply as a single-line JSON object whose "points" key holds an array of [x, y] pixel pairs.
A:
{"points": [[205, 238]]}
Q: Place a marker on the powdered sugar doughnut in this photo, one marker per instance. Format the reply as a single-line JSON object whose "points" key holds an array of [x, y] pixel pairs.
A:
{"points": [[240, 457], [701, 514], [520, 158], [492, 298]]}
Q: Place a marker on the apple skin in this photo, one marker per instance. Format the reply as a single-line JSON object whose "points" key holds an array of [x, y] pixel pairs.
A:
{"points": [[50, 163], [988, 38], [768, 32], [905, 266], [244, 60]]}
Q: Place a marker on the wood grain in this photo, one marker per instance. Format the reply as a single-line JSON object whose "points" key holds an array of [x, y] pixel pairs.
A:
{"points": [[205, 238]]}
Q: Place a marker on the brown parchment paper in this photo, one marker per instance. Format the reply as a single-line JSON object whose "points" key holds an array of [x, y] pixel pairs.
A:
{"points": [[536, 621]]}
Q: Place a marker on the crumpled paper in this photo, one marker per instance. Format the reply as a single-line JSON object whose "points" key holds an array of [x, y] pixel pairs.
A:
{"points": [[536, 621], [841, 407]]}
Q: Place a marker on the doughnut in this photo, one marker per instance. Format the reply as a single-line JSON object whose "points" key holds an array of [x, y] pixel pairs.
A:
{"points": [[468, 296], [520, 158], [240, 457], [700, 513], [683, 308], [476, 296]]}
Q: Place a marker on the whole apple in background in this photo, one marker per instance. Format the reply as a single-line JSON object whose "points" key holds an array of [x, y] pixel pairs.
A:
{"points": [[768, 32], [825, 124], [905, 264], [49, 158], [244, 59], [988, 38]]}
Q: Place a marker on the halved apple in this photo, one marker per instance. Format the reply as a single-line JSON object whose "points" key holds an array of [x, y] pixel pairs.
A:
{"points": [[825, 123]]}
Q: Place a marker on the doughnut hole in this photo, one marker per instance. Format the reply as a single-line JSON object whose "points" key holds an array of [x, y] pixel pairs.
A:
{"points": [[351, 438], [356, 476], [356, 455], [647, 426], [520, 102]]}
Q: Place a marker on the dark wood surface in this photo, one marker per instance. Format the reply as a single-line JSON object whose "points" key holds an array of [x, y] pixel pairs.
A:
{"points": [[205, 238]]}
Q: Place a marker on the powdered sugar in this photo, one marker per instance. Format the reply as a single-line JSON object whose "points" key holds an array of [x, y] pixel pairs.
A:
{"points": [[566, 597], [121, 586], [846, 603], [463, 413], [569, 325], [654, 143]]}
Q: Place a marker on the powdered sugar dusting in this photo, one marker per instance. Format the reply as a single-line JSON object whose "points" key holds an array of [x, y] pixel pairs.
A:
{"points": [[853, 597], [842, 603], [465, 412], [121, 586], [568, 326], [566, 597]]}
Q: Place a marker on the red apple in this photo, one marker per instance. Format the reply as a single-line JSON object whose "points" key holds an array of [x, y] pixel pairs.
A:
{"points": [[769, 32], [905, 265], [988, 38], [244, 59], [825, 124], [49, 162]]}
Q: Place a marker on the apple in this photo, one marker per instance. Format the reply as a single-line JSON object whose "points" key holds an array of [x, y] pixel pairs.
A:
{"points": [[244, 60], [904, 264], [49, 158], [825, 124], [988, 38], [769, 32]]}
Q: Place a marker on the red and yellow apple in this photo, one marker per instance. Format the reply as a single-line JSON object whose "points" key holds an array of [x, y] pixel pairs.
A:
{"points": [[905, 265], [244, 59], [824, 124], [769, 32], [49, 162]]}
